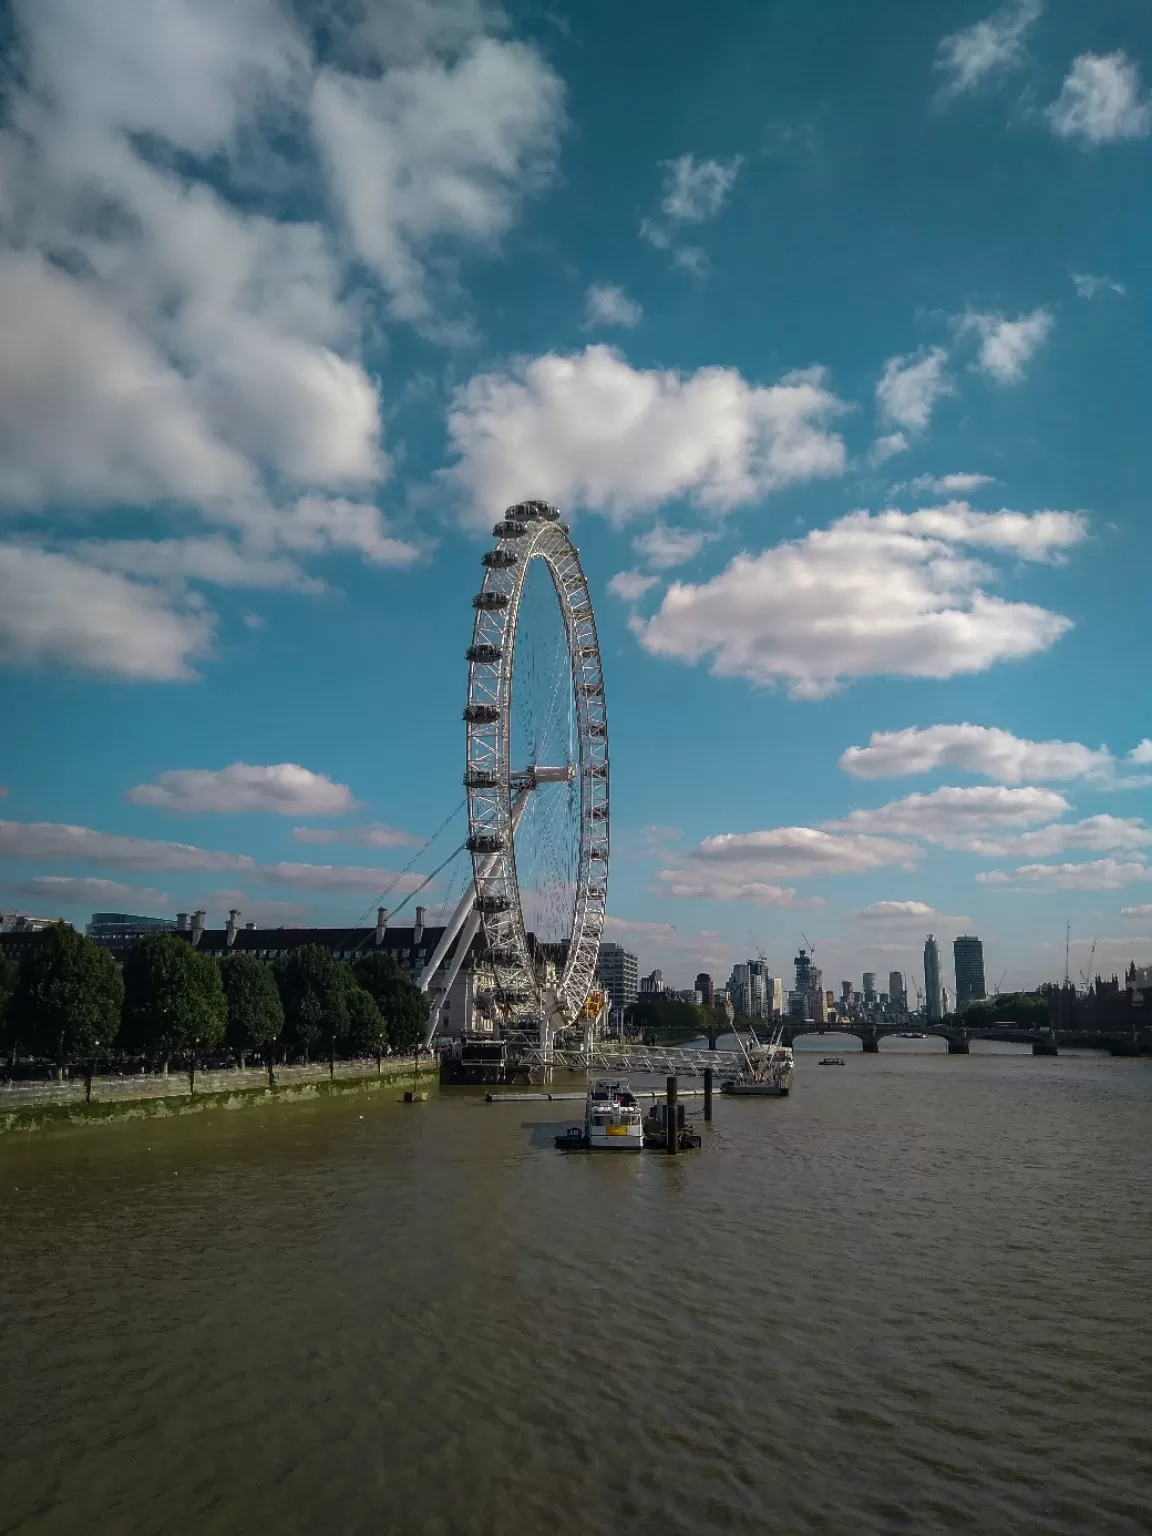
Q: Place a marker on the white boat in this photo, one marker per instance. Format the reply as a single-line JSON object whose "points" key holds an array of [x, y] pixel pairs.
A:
{"points": [[613, 1120], [767, 1070]]}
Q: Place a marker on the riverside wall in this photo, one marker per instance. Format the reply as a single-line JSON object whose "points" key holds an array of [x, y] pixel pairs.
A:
{"points": [[32, 1106]]}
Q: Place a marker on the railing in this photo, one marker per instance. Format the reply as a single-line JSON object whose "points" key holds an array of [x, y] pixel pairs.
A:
{"points": [[603, 1056]]}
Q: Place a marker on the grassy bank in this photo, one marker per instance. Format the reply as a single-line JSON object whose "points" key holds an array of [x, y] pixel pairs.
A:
{"points": [[43, 1117]]}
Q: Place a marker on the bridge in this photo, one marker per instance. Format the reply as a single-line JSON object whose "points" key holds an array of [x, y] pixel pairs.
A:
{"points": [[1045, 1041]]}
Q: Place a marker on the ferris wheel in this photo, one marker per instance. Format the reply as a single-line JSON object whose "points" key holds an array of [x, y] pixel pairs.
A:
{"points": [[536, 777]]}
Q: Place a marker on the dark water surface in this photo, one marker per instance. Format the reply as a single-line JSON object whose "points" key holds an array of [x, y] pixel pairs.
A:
{"points": [[916, 1296]]}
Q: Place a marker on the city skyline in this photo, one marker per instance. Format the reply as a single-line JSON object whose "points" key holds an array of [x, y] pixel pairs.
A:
{"points": [[852, 442]]}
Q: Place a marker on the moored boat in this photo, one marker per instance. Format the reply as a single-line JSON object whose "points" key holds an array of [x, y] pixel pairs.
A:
{"points": [[613, 1120], [767, 1070]]}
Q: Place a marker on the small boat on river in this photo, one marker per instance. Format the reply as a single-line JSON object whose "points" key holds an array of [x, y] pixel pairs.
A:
{"points": [[613, 1120], [767, 1070], [831, 1061]]}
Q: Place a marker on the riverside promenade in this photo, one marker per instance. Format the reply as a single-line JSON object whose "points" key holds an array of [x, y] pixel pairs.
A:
{"points": [[34, 1105]]}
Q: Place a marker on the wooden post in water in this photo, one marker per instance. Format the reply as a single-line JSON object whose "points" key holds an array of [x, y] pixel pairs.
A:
{"points": [[708, 1093], [673, 1137]]}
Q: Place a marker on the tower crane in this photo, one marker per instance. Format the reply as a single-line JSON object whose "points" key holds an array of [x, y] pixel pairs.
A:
{"points": [[1087, 979]]}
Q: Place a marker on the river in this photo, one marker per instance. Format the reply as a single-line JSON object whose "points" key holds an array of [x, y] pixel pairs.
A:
{"points": [[913, 1297]]}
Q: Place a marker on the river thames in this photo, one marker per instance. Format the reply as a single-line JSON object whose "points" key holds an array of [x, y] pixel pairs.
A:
{"points": [[913, 1297]]}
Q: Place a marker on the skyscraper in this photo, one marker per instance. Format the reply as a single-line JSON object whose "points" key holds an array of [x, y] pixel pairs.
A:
{"points": [[618, 972], [896, 993], [968, 953], [932, 999], [705, 988], [869, 987]]}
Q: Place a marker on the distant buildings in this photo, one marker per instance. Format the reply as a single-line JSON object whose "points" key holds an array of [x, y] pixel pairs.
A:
{"points": [[897, 992], [116, 928], [968, 953], [23, 922], [933, 1002], [806, 1000], [705, 988], [870, 989], [652, 985]]}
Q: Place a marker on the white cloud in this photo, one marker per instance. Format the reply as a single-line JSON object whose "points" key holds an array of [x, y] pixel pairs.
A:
{"points": [[889, 594], [1142, 911], [265, 914], [630, 586], [1094, 834], [1007, 346], [896, 911], [747, 866], [284, 789], [1097, 875], [949, 812], [695, 190], [589, 430], [1142, 753], [436, 151], [664, 547], [56, 611], [1087, 286], [991, 46], [213, 559], [1100, 101], [322, 525], [84, 890], [56, 841], [950, 485], [910, 386], [607, 305], [887, 447], [375, 836], [987, 750]]}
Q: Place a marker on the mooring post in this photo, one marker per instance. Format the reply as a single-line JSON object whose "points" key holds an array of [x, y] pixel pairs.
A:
{"points": [[673, 1137], [707, 1093]]}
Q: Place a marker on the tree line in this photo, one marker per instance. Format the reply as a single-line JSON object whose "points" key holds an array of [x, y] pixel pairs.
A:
{"points": [[69, 1002]]}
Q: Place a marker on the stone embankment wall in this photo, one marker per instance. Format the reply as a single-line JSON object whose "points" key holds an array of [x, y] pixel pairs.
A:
{"points": [[37, 1105]]}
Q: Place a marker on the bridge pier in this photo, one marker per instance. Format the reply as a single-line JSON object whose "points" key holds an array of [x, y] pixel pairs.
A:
{"points": [[958, 1047], [870, 1043], [1045, 1048]]}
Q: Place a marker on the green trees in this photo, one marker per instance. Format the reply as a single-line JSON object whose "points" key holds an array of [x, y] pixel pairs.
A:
{"points": [[173, 998], [403, 1005], [664, 1021], [313, 991], [367, 1032], [255, 1012], [9, 972], [67, 999]]}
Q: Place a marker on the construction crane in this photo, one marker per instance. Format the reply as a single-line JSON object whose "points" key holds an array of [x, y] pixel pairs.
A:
{"points": [[1000, 983], [1067, 942], [808, 941]]}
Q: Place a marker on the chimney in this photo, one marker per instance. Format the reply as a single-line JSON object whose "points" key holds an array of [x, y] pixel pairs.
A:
{"points": [[196, 927], [181, 922], [230, 928], [381, 923], [418, 931], [249, 927]]}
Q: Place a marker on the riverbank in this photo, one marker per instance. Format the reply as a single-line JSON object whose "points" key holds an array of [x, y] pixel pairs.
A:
{"points": [[47, 1106]]}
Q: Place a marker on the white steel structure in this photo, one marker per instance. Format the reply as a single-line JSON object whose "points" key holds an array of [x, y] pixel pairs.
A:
{"points": [[536, 776]]}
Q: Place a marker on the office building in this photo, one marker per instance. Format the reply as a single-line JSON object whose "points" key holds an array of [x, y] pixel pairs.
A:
{"points": [[897, 993], [705, 988], [932, 998], [870, 989], [652, 985], [115, 929], [968, 953], [618, 972]]}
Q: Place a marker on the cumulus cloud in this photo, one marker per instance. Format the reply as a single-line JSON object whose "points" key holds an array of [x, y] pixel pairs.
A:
{"points": [[950, 485], [988, 47], [887, 447], [215, 559], [1100, 101], [286, 789], [1094, 834], [1142, 752], [1142, 911], [896, 911], [605, 304], [949, 812], [1007, 346], [265, 914], [664, 547], [987, 750], [890, 594], [910, 386], [589, 430], [375, 836], [748, 866], [56, 611], [631, 586], [1096, 875], [695, 190], [436, 150], [85, 890]]}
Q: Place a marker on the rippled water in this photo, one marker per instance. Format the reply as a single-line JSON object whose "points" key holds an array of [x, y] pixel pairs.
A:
{"points": [[912, 1297]]}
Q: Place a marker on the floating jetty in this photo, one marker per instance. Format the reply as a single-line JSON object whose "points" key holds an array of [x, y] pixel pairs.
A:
{"points": [[571, 1098]]}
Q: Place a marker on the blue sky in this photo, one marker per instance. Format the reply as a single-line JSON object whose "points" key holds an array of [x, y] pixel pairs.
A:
{"points": [[826, 326]]}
